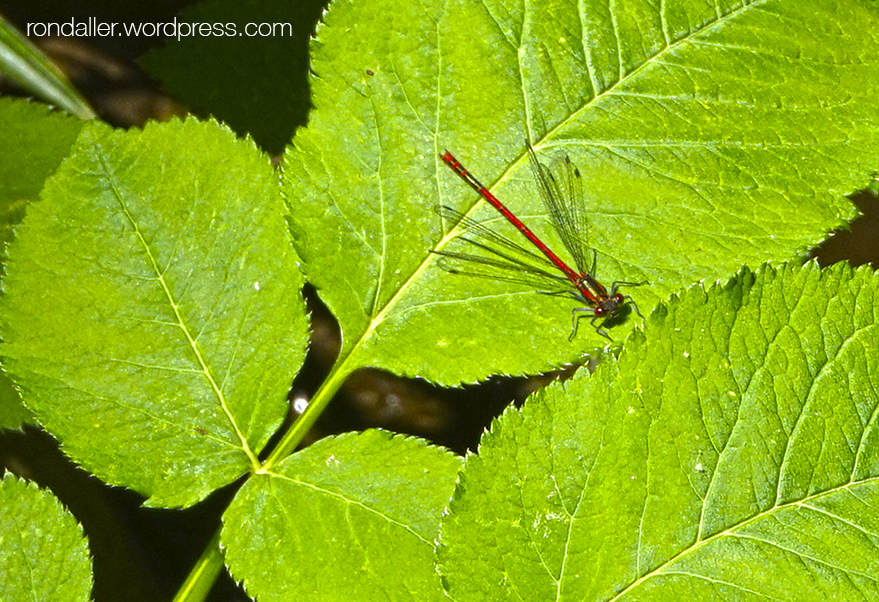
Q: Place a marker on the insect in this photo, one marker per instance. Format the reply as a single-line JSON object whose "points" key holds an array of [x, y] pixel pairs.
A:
{"points": [[562, 196]]}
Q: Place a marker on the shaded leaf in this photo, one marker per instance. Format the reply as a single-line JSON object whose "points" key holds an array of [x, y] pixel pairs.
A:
{"points": [[35, 140], [254, 58]]}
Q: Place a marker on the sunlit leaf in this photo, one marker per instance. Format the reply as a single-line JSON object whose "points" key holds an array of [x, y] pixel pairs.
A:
{"points": [[44, 553], [730, 453], [710, 135], [152, 316], [349, 518]]}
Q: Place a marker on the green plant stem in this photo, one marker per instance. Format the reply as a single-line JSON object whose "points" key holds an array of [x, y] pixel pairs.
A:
{"points": [[201, 578], [203, 575], [293, 437]]}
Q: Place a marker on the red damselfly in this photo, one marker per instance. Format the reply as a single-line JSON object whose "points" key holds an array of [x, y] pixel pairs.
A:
{"points": [[562, 196]]}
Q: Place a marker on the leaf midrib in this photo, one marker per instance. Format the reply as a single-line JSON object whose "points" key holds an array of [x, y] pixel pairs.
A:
{"points": [[160, 278], [731, 531], [353, 502], [379, 317]]}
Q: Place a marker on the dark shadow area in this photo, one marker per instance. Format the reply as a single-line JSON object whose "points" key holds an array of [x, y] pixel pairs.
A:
{"points": [[103, 69], [858, 244]]}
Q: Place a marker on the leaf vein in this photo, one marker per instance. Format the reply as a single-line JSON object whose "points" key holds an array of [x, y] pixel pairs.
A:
{"points": [[175, 307], [349, 501], [802, 555], [663, 568]]}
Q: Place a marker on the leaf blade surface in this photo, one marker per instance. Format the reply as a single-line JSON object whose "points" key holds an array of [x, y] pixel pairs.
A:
{"points": [[710, 136], [152, 314], [701, 461]]}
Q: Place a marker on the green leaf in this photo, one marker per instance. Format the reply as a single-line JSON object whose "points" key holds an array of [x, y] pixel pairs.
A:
{"points": [[349, 518], [239, 67], [45, 555], [35, 140], [13, 415], [711, 135], [730, 453], [152, 315], [33, 70]]}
